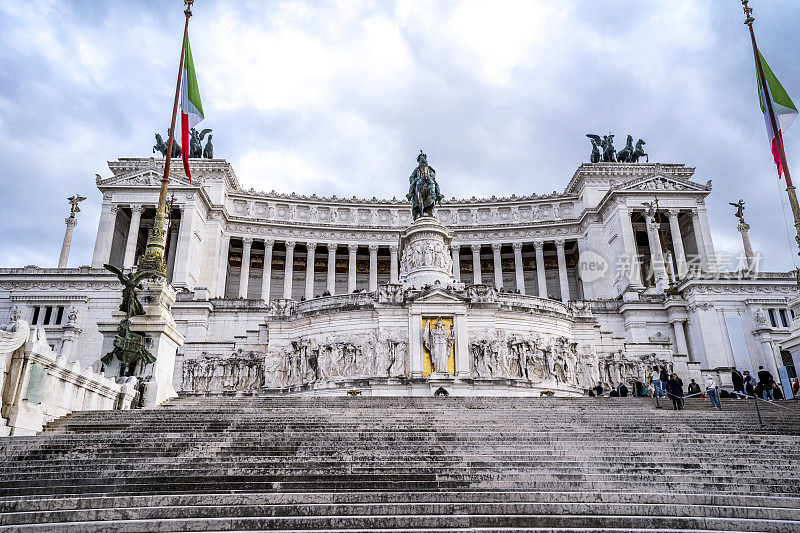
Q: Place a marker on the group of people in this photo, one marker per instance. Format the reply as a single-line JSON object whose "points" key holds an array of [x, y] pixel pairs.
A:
{"points": [[669, 385], [745, 385]]}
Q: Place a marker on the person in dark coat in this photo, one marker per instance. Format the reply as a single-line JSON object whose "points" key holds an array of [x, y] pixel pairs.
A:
{"points": [[622, 390], [598, 390], [738, 383], [766, 380], [675, 391], [694, 388]]}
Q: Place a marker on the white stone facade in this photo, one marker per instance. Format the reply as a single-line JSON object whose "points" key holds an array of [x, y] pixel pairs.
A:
{"points": [[306, 294]]}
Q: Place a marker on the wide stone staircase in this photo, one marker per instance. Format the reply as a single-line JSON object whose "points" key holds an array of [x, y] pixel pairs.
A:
{"points": [[408, 464]]}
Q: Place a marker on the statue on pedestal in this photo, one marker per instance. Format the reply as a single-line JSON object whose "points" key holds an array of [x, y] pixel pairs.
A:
{"points": [[438, 341], [129, 346], [423, 191]]}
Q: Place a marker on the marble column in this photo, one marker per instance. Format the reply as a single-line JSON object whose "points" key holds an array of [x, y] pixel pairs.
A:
{"points": [[455, 251], [172, 248], [681, 348], [105, 234], [656, 255], [393, 265], [562, 271], [702, 259], [244, 272], [518, 267], [288, 270], [541, 276], [331, 285], [631, 262], [351, 267], [222, 266], [744, 229], [311, 248], [266, 277], [63, 259], [133, 235], [677, 242], [498, 265], [180, 273], [476, 264], [373, 267]]}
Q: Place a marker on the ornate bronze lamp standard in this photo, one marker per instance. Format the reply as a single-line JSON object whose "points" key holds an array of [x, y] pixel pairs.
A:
{"points": [[153, 257], [790, 190]]}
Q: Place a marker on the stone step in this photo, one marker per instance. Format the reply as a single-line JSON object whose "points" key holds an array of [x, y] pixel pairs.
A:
{"points": [[428, 522], [399, 509]]}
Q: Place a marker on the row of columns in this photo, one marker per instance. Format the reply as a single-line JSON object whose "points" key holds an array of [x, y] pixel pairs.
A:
{"points": [[311, 247], [519, 274], [352, 249], [178, 244], [655, 245]]}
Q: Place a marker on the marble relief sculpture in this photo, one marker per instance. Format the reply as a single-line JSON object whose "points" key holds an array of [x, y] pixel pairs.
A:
{"points": [[334, 357], [238, 372]]}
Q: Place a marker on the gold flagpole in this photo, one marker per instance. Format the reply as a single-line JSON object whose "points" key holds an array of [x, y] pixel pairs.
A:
{"points": [[790, 190], [153, 258]]}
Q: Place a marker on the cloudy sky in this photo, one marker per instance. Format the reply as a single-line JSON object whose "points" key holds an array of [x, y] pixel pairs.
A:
{"points": [[338, 98]]}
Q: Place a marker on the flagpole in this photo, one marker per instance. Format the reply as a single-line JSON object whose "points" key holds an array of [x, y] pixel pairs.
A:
{"points": [[790, 190], [153, 258]]}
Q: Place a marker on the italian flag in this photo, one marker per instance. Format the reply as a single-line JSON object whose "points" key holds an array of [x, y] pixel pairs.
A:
{"points": [[782, 105], [191, 107]]}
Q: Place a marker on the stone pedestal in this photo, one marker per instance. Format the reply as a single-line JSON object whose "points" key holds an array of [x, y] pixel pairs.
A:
{"points": [[425, 254], [162, 338]]}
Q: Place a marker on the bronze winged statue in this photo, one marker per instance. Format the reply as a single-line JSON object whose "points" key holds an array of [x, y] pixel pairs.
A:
{"points": [[739, 209], [130, 283], [195, 143]]}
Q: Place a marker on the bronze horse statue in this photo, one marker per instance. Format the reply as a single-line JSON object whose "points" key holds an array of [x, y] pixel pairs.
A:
{"points": [[639, 152], [425, 196], [624, 155]]}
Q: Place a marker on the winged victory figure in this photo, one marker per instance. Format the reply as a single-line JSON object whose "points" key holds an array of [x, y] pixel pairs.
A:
{"points": [[130, 283], [73, 202]]}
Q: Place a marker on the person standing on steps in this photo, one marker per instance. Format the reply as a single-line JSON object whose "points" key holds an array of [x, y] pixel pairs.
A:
{"points": [[749, 383], [766, 380], [738, 383], [711, 390], [655, 378], [598, 390], [663, 376], [675, 391], [622, 390], [693, 388]]}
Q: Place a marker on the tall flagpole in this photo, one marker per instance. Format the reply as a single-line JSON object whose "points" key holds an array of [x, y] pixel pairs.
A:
{"points": [[153, 257], [790, 190]]}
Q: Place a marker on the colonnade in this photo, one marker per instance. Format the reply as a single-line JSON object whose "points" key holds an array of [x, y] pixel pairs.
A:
{"points": [[312, 249], [682, 264]]}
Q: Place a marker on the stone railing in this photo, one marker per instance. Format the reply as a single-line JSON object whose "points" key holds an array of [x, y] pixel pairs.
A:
{"points": [[532, 303], [239, 304], [338, 302], [41, 386]]}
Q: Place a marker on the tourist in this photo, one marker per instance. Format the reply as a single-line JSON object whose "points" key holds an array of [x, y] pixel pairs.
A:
{"points": [[795, 387], [693, 389], [766, 380], [711, 390], [663, 376], [738, 383], [655, 379], [598, 390], [749, 383], [622, 390], [675, 391]]}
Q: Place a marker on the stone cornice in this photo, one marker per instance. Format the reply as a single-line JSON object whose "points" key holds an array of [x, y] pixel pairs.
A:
{"points": [[606, 173]]}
